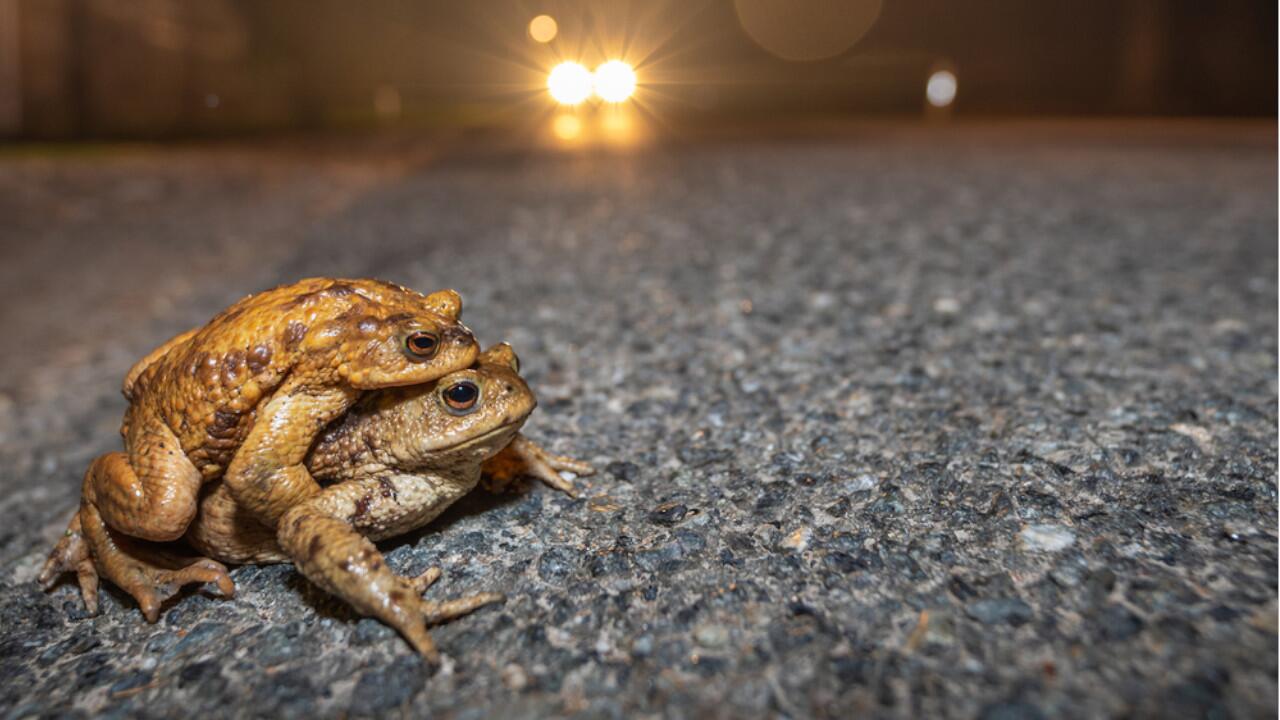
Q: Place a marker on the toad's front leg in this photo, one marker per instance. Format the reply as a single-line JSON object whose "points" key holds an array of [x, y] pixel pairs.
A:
{"points": [[523, 456], [267, 476], [326, 538]]}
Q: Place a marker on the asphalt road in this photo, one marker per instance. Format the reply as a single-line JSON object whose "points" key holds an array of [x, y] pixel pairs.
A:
{"points": [[969, 421]]}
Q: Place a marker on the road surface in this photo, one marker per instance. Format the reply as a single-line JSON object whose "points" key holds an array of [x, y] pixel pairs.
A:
{"points": [[891, 421]]}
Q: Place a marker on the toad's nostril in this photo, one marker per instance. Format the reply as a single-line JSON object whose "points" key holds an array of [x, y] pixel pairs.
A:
{"points": [[458, 336]]}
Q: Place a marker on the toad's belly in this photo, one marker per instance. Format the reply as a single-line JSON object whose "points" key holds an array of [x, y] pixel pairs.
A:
{"points": [[224, 531], [227, 533], [416, 501]]}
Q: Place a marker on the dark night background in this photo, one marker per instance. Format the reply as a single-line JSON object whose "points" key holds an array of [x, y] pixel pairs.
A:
{"points": [[92, 68]]}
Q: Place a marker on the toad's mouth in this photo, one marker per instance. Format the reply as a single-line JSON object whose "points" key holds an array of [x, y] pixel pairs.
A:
{"points": [[507, 427]]}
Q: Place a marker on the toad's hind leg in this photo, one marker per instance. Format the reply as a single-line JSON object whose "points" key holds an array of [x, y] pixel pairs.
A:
{"points": [[324, 537], [151, 493], [148, 573]]}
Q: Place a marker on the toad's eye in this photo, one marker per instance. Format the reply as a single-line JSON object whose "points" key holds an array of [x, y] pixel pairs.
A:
{"points": [[422, 343], [462, 396]]}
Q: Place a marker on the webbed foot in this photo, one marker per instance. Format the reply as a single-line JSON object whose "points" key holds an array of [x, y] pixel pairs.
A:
{"points": [[419, 614], [148, 573], [71, 555]]}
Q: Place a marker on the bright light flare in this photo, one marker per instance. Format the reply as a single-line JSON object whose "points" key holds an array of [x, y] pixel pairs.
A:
{"points": [[615, 81], [569, 83], [940, 91], [543, 29]]}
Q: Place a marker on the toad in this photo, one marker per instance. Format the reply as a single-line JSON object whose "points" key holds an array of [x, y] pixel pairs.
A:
{"points": [[242, 400], [392, 464]]}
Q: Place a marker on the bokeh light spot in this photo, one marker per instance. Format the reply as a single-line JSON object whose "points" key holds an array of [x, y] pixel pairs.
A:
{"points": [[566, 127], [543, 29], [616, 123], [615, 81], [808, 30], [569, 83], [940, 91]]}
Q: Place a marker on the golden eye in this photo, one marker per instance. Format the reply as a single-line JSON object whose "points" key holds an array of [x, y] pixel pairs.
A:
{"points": [[422, 343], [461, 396]]}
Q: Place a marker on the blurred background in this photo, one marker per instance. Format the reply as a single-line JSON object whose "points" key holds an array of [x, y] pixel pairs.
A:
{"points": [[73, 69]]}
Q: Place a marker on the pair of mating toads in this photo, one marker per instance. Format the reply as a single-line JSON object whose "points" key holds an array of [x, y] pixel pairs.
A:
{"points": [[300, 425]]}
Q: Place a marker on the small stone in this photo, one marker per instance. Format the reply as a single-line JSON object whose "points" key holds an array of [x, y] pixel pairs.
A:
{"points": [[863, 482], [690, 542], [798, 540], [1223, 614], [934, 628], [1238, 532], [711, 636], [665, 558], [642, 646], [624, 471], [1047, 538], [1067, 576], [669, 513], [822, 300], [701, 455], [1013, 611], [195, 672], [557, 564], [514, 677], [847, 563], [1202, 437], [946, 306], [772, 497]]}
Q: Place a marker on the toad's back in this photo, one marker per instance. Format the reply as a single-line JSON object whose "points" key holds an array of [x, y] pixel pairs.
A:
{"points": [[207, 384]]}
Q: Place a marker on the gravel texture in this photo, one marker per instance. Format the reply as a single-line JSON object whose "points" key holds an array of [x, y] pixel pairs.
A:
{"points": [[972, 422]]}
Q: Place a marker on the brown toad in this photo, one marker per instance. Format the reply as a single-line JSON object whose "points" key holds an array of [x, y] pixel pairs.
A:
{"points": [[243, 398], [397, 460]]}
